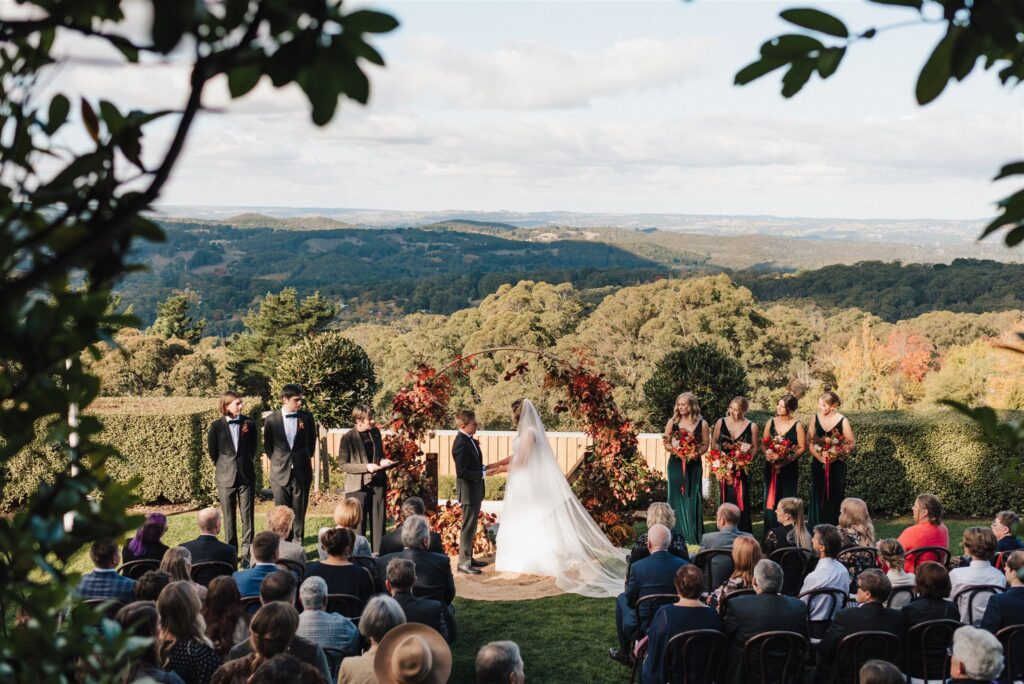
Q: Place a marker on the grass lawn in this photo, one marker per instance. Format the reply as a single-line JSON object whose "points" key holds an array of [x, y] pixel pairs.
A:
{"points": [[563, 639]]}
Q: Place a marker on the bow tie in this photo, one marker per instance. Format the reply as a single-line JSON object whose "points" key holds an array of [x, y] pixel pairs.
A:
{"points": [[234, 421], [291, 415]]}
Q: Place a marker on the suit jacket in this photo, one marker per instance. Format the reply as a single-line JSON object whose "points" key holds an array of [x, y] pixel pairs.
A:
{"points": [[353, 459], [249, 581], [392, 542], [233, 467], [655, 574], [722, 539], [106, 585], [303, 650], [433, 573], [867, 617], [748, 616], [285, 461], [922, 609], [469, 466], [424, 611], [207, 547]]}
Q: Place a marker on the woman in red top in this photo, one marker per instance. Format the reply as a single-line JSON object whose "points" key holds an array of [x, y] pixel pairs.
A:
{"points": [[927, 530]]}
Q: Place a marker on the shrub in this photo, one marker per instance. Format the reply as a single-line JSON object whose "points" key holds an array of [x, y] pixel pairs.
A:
{"points": [[494, 487], [703, 369]]}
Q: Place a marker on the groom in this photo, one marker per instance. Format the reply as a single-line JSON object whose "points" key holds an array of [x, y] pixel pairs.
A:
{"points": [[469, 486]]}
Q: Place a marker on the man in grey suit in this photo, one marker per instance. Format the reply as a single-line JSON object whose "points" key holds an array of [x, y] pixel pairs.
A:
{"points": [[361, 458], [728, 519]]}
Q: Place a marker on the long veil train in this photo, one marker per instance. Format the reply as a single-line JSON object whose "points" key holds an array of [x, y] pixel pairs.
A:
{"points": [[544, 529]]}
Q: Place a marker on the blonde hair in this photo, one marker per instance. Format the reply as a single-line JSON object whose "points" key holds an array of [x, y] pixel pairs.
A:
{"points": [[180, 617], [892, 553], [660, 513], [176, 563], [279, 520], [794, 508], [745, 554], [831, 398], [741, 402], [853, 515], [691, 401], [348, 513]]}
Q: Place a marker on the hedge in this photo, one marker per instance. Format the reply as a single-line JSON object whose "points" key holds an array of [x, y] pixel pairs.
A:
{"points": [[494, 487], [162, 440]]}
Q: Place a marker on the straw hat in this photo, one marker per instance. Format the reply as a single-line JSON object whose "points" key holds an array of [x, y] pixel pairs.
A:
{"points": [[412, 654]]}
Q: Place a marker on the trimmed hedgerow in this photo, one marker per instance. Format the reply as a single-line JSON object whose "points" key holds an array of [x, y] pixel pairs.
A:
{"points": [[161, 440]]}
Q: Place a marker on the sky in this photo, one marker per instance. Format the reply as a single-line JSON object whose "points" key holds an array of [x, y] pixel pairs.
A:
{"points": [[610, 107]]}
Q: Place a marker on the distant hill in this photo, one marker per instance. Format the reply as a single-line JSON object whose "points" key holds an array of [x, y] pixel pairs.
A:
{"points": [[470, 226], [253, 220]]}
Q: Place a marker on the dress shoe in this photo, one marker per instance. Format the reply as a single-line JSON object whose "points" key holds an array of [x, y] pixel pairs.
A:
{"points": [[469, 569], [478, 564], [617, 655]]}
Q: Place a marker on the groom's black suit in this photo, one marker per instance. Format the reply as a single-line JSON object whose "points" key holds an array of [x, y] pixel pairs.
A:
{"points": [[469, 489], [235, 474], [291, 466]]}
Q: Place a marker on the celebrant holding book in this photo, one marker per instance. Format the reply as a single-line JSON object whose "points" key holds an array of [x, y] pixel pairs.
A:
{"points": [[361, 458]]}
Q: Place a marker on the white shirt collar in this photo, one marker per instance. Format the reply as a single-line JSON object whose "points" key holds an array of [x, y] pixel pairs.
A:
{"points": [[104, 569], [258, 563]]}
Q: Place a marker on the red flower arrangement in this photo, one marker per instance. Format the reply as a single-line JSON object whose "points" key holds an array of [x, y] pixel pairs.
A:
{"points": [[834, 447], [683, 444], [301, 426], [729, 464], [777, 451]]}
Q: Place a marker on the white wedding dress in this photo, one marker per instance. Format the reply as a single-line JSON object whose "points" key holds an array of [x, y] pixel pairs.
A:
{"points": [[544, 529]]}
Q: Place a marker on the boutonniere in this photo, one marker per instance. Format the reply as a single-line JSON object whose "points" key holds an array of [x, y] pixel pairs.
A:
{"points": [[245, 427], [302, 426]]}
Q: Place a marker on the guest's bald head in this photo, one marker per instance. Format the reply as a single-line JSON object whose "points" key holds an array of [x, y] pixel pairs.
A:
{"points": [[728, 515], [658, 537], [209, 520]]}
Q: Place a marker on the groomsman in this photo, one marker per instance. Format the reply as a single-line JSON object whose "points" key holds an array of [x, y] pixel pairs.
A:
{"points": [[469, 486], [289, 439], [232, 445], [361, 458]]}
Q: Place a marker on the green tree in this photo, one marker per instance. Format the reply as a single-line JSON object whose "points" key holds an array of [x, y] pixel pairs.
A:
{"points": [[711, 374], [335, 373], [138, 365], [194, 375], [280, 321], [73, 215], [173, 320]]}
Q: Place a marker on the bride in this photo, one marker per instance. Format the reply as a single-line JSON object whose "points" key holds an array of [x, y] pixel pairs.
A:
{"points": [[544, 529]]}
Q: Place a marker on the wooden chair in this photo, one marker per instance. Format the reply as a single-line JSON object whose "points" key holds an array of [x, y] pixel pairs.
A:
{"points": [[345, 604], [856, 560], [724, 603], [295, 566], [251, 604], [971, 593], [207, 571], [700, 651], [796, 563], [649, 604], [926, 642], [834, 599], [107, 607], [861, 647], [941, 552], [137, 568], [716, 565], [1012, 639], [777, 657]]}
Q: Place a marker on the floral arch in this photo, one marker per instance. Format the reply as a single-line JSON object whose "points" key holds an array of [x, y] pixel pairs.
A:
{"points": [[611, 477]]}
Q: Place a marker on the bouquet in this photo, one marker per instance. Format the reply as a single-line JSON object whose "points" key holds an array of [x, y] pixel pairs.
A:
{"points": [[728, 466], [684, 445], [777, 451], [833, 448]]}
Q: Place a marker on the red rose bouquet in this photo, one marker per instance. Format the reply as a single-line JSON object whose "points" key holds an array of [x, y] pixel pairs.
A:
{"points": [[777, 451], [683, 444], [728, 466], [834, 448]]}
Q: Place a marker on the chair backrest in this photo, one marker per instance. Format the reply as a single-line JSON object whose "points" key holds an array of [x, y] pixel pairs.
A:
{"points": [[970, 594], [108, 607], [796, 563], [860, 647], [833, 599], [137, 568], [856, 560], [939, 554], [334, 658], [776, 657], [295, 566], [369, 564], [251, 604], [723, 604], [205, 572], [695, 656], [900, 596], [346, 604], [925, 647], [1012, 639], [647, 606], [716, 565]]}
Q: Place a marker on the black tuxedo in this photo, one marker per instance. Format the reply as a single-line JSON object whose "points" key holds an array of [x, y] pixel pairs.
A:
{"points": [[369, 489], [392, 542], [235, 475], [207, 547], [291, 467], [433, 573], [429, 612], [867, 617], [469, 489], [748, 616]]}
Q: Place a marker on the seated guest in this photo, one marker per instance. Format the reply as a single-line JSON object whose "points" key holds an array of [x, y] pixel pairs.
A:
{"points": [[279, 521], [768, 610], [977, 656], [341, 575], [856, 529], [264, 551], [980, 546], [184, 648], [870, 615], [433, 570], [279, 586], [927, 530], [329, 630], [227, 623], [499, 662], [400, 580], [149, 586], [660, 514], [881, 672], [745, 554], [413, 653], [146, 544], [104, 582], [207, 547], [891, 554], [141, 617], [1007, 609], [827, 574], [688, 613], [177, 563], [652, 575], [392, 541], [349, 515], [727, 520], [381, 615], [271, 632], [286, 669], [791, 530], [931, 603], [1003, 526]]}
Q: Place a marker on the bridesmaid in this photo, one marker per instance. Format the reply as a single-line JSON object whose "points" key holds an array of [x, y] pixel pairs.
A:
{"points": [[684, 480], [735, 428], [784, 475], [825, 500]]}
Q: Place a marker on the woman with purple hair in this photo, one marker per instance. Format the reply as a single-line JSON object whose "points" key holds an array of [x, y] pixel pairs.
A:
{"points": [[146, 545]]}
